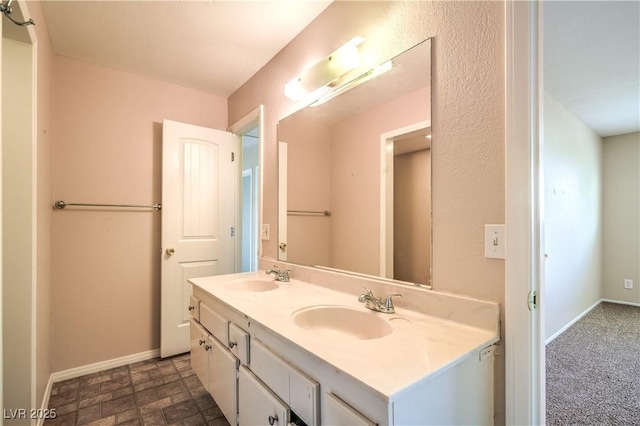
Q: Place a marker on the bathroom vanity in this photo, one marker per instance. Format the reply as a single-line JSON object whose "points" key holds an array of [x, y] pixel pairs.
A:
{"points": [[272, 352]]}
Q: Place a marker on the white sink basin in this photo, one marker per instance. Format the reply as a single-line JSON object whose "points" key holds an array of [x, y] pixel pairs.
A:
{"points": [[252, 285], [341, 321]]}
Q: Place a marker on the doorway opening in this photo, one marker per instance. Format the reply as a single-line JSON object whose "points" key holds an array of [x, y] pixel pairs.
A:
{"points": [[405, 209], [250, 199]]}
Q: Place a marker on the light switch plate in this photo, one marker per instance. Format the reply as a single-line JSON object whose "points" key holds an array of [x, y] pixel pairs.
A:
{"points": [[265, 232], [495, 241]]}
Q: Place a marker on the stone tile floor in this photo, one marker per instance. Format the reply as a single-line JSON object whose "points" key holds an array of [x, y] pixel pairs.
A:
{"points": [[153, 392]]}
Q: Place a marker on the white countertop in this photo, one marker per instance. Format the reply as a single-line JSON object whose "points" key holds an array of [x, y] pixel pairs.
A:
{"points": [[389, 365]]}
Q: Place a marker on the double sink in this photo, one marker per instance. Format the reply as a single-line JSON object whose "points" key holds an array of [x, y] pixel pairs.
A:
{"points": [[326, 320]]}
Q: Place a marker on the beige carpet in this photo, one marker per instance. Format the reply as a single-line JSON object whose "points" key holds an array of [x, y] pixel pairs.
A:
{"points": [[593, 369]]}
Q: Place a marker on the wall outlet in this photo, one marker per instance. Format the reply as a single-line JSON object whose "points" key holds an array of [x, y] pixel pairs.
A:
{"points": [[486, 352], [628, 283], [265, 232]]}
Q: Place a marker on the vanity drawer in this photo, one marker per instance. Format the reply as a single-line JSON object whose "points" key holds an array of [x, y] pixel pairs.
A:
{"points": [[271, 369], [194, 308], [216, 324], [292, 385], [239, 343], [339, 412]]}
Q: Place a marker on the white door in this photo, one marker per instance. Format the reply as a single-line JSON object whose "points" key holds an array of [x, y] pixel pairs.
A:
{"points": [[198, 193]]}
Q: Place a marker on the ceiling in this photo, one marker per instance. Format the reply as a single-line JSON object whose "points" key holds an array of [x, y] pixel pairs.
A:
{"points": [[592, 62], [591, 48], [212, 46]]}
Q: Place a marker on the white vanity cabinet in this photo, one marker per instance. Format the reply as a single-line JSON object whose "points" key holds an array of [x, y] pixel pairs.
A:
{"points": [[261, 368], [257, 404], [225, 365]]}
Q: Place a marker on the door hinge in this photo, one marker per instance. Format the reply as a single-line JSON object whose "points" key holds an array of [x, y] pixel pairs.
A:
{"points": [[233, 231], [233, 156], [533, 300]]}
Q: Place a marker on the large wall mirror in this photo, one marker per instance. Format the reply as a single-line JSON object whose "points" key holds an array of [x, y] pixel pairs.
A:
{"points": [[355, 176]]}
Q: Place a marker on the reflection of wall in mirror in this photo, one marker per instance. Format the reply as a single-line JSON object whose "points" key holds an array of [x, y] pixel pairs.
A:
{"points": [[412, 216], [350, 237], [307, 189], [355, 179]]}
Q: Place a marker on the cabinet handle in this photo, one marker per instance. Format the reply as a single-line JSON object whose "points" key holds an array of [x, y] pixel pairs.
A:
{"points": [[202, 342], [207, 347], [191, 308], [232, 344], [273, 419]]}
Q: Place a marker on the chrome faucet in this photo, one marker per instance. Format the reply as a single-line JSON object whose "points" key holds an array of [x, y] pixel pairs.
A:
{"points": [[280, 275], [376, 303]]}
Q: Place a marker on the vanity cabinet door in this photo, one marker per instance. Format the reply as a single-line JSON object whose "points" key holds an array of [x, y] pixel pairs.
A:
{"points": [[223, 383], [257, 404], [199, 358]]}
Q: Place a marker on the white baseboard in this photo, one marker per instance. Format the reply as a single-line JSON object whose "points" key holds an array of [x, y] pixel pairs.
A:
{"points": [[576, 319], [72, 373], [104, 365], [620, 302], [45, 400]]}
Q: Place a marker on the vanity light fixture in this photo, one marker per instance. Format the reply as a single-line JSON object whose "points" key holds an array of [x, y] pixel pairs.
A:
{"points": [[372, 73], [316, 81]]}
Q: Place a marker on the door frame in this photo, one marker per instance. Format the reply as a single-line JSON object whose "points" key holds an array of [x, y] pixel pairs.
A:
{"points": [[22, 8], [524, 346], [253, 119]]}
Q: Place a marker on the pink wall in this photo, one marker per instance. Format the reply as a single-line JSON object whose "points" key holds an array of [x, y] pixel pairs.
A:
{"points": [[106, 274], [468, 124], [308, 179]]}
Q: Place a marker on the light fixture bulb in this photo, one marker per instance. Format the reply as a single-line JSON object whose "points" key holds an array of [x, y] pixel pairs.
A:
{"points": [[294, 90], [317, 80]]}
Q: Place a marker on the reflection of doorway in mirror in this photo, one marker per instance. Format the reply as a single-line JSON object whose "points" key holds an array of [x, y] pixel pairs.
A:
{"points": [[405, 237], [250, 201]]}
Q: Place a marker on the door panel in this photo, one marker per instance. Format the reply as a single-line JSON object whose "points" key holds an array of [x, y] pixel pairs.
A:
{"points": [[190, 270], [198, 193]]}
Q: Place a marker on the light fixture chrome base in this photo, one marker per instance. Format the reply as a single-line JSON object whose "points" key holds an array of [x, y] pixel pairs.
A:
{"points": [[6, 10]]}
